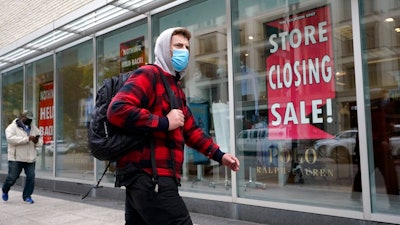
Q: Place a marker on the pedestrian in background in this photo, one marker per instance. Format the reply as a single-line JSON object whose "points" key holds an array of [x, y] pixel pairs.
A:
{"points": [[22, 137], [141, 105]]}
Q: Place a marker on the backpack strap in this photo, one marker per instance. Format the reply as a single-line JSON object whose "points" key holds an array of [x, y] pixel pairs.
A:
{"points": [[171, 95], [98, 182], [174, 105]]}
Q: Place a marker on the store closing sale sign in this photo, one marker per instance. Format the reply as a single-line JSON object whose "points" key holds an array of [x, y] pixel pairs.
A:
{"points": [[132, 54], [300, 75], [46, 111]]}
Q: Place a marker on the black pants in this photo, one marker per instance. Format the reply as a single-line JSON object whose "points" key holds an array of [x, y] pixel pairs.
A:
{"points": [[144, 206], [383, 160]]}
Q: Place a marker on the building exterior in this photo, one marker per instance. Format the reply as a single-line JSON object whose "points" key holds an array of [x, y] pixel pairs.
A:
{"points": [[305, 92]]}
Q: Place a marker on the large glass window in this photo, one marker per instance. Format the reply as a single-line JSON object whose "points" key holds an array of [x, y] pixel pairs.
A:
{"points": [[295, 101], [381, 41], [12, 93], [74, 103], [206, 87], [39, 99], [120, 51]]}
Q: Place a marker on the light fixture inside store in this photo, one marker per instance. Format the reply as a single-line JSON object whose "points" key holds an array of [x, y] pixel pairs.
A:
{"points": [[251, 37], [397, 29], [389, 19], [341, 73]]}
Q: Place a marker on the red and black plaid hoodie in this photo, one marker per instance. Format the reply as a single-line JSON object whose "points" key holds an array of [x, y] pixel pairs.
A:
{"points": [[142, 104]]}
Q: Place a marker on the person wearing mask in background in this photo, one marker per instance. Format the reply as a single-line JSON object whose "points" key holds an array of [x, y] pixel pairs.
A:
{"points": [[22, 137], [142, 104]]}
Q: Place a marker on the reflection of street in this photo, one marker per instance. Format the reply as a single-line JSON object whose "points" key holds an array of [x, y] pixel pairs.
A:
{"points": [[78, 162], [323, 172], [341, 146], [301, 165]]}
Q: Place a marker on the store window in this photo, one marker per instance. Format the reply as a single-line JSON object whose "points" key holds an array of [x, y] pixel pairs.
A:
{"points": [[120, 51], [39, 99], [12, 93], [74, 104], [206, 87], [295, 98], [382, 85]]}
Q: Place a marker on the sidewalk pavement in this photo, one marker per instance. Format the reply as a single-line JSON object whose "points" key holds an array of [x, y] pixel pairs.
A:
{"points": [[54, 208]]}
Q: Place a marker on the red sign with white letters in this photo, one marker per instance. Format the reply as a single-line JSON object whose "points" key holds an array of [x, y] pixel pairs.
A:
{"points": [[300, 75], [46, 111]]}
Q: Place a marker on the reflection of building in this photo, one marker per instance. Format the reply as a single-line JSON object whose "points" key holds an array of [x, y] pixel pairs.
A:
{"points": [[85, 111], [227, 40], [250, 86], [345, 116]]}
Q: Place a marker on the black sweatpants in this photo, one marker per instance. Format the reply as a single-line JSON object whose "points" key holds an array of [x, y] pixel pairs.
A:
{"points": [[144, 206]]}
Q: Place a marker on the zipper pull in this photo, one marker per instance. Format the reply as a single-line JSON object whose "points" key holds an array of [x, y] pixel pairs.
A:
{"points": [[156, 188]]}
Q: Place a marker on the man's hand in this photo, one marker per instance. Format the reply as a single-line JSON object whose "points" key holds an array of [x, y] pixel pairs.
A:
{"points": [[33, 139], [231, 162], [176, 119]]}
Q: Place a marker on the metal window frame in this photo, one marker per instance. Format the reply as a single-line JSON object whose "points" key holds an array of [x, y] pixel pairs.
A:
{"points": [[84, 22]]}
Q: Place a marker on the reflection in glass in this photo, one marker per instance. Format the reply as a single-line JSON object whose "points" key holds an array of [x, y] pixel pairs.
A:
{"points": [[12, 104], [110, 63], [206, 89], [295, 101], [382, 82], [74, 102], [40, 98], [113, 52]]}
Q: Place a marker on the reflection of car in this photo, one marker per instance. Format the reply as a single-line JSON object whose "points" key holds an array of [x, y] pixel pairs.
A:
{"points": [[255, 142], [62, 147], [340, 147], [4, 147], [247, 140]]}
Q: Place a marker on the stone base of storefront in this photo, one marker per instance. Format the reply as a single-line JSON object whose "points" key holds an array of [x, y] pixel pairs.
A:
{"points": [[243, 212]]}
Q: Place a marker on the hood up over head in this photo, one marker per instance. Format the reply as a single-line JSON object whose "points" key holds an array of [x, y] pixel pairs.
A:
{"points": [[162, 50]]}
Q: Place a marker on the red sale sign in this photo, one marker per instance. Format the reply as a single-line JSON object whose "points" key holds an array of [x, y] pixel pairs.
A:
{"points": [[46, 111], [300, 75], [132, 54]]}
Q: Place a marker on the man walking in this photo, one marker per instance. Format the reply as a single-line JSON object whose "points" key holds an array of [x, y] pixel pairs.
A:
{"points": [[22, 137], [142, 104]]}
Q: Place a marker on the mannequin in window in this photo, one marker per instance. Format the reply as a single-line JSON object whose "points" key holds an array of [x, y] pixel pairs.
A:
{"points": [[250, 93]]}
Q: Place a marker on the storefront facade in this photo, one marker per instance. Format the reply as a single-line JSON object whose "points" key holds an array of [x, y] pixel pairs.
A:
{"points": [[305, 92]]}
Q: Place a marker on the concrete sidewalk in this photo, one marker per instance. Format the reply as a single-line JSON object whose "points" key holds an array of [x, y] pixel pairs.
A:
{"points": [[54, 208]]}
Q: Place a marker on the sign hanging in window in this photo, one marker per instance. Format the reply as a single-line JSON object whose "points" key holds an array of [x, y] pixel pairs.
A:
{"points": [[300, 75]]}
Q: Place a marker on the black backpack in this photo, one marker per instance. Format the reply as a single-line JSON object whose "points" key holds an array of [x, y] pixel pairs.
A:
{"points": [[106, 141]]}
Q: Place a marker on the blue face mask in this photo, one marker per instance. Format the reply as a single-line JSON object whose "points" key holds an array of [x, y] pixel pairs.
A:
{"points": [[180, 59]]}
